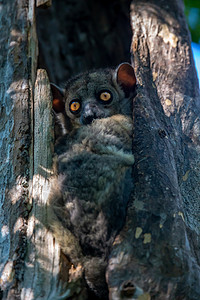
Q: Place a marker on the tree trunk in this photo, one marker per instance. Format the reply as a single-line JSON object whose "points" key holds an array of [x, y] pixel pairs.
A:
{"points": [[18, 65], [156, 255]]}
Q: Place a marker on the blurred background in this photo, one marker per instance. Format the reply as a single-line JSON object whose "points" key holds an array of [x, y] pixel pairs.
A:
{"points": [[192, 12]]}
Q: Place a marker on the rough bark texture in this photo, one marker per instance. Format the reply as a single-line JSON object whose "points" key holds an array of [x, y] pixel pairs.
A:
{"points": [[29, 258], [15, 80], [157, 253], [156, 256], [42, 254]]}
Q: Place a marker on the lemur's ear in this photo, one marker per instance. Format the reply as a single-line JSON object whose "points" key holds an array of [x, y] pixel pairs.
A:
{"points": [[58, 94], [62, 122], [125, 76]]}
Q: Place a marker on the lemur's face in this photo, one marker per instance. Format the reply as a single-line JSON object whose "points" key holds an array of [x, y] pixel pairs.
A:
{"points": [[99, 94], [92, 96]]}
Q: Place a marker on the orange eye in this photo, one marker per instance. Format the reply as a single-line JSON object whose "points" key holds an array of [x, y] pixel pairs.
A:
{"points": [[75, 106], [105, 96]]}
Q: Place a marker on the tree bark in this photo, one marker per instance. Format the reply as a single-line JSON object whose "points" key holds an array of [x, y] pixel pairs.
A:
{"points": [[42, 253], [29, 256], [17, 74], [156, 255]]}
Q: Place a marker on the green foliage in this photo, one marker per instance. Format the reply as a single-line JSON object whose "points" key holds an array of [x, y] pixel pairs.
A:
{"points": [[192, 12], [192, 3]]}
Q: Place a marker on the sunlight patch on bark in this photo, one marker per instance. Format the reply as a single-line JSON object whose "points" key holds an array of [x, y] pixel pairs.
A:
{"points": [[18, 225], [17, 192], [138, 232], [4, 230], [27, 293], [167, 36], [147, 238], [7, 275], [41, 187]]}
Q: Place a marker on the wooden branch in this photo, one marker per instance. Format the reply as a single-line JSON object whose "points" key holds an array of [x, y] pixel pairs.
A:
{"points": [[32, 45], [42, 262]]}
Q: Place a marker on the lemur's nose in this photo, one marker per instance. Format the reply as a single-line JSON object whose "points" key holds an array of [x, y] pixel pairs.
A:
{"points": [[90, 112]]}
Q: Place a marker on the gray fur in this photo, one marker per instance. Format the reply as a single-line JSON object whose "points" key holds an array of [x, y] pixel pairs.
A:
{"points": [[91, 188]]}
